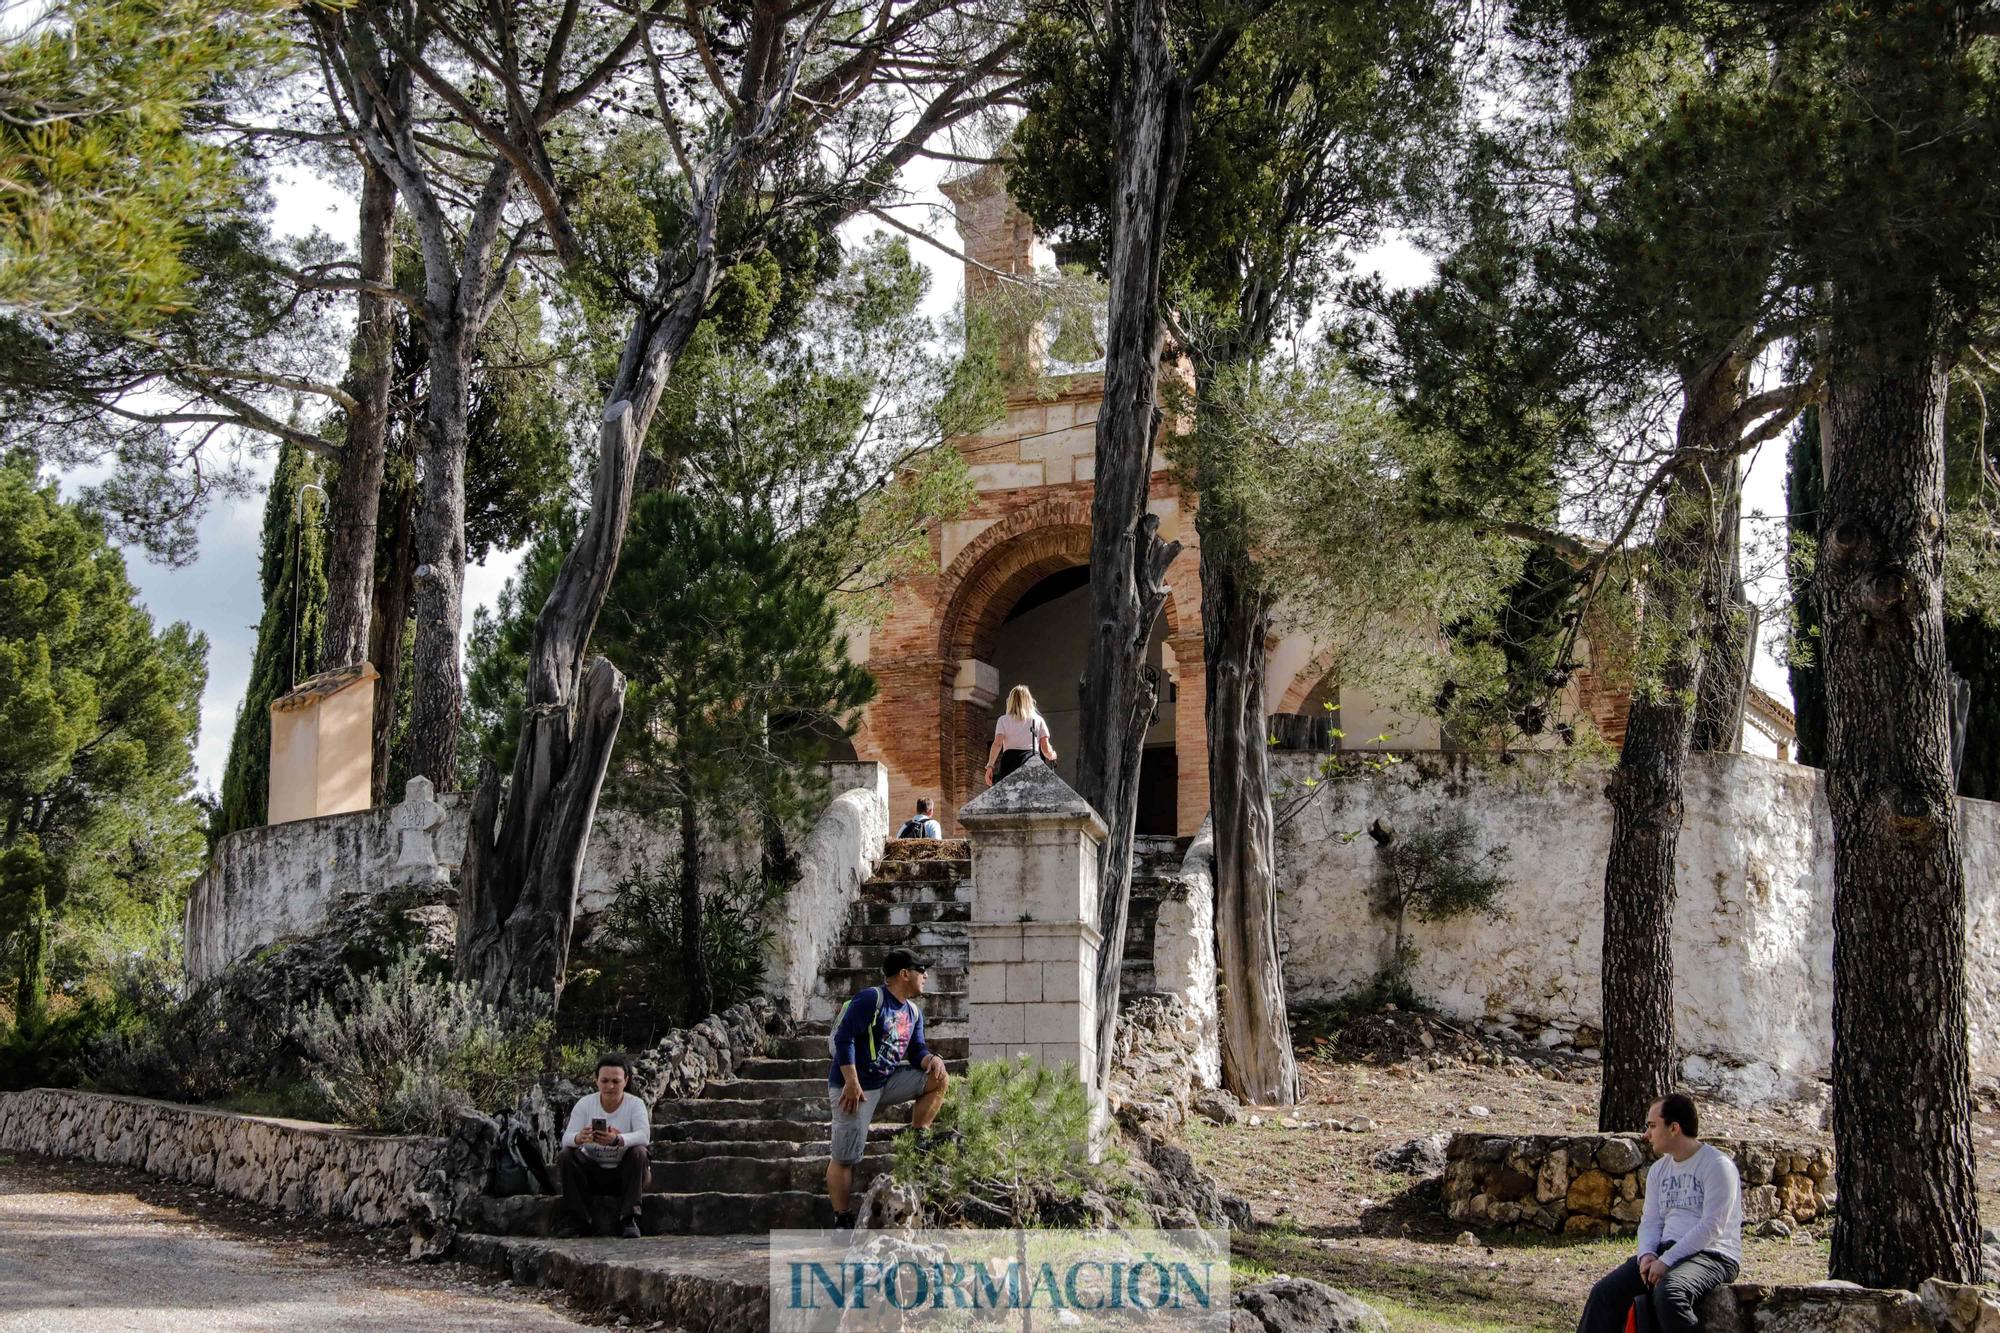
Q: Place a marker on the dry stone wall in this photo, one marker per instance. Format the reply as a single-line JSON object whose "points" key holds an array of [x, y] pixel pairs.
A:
{"points": [[1595, 1184], [291, 1165]]}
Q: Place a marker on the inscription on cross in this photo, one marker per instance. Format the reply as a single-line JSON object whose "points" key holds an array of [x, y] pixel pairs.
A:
{"points": [[415, 820]]}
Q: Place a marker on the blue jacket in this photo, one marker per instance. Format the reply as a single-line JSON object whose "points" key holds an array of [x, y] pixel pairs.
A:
{"points": [[877, 1034]]}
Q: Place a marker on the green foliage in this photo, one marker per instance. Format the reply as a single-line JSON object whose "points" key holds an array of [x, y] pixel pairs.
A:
{"points": [[1437, 873], [103, 169], [403, 1051], [98, 712], [1010, 1148], [288, 633], [216, 1041], [633, 986]]}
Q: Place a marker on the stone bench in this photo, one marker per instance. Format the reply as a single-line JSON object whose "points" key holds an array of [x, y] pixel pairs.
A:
{"points": [[1595, 1184]]}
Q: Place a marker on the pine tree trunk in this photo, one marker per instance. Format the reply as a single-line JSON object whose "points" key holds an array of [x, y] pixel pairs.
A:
{"points": [[1128, 561], [385, 641], [436, 700], [1901, 1098], [1257, 1060], [1804, 492], [1645, 790], [31, 988], [698, 998], [357, 485], [1725, 672]]}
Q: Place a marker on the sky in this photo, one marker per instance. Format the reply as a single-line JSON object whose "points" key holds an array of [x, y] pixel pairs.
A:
{"points": [[218, 593]]}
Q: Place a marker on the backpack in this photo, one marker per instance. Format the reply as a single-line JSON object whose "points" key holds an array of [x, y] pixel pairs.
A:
{"points": [[511, 1173], [878, 992], [916, 826]]}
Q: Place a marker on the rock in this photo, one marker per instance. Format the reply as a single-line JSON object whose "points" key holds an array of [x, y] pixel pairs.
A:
{"points": [[1467, 1239], [1797, 1196], [889, 1205], [1288, 1122], [1957, 1308], [1552, 1180], [1298, 1305], [1256, 1122], [1217, 1106], [1775, 1228], [1620, 1156], [1590, 1194], [1477, 1112], [1361, 1124], [1423, 1156]]}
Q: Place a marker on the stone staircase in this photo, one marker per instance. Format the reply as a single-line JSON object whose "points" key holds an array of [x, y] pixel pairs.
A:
{"points": [[749, 1154]]}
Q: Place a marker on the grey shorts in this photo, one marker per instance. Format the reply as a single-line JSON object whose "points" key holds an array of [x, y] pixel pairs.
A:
{"points": [[850, 1128]]}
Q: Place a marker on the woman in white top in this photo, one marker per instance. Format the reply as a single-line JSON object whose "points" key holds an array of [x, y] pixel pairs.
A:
{"points": [[1018, 734]]}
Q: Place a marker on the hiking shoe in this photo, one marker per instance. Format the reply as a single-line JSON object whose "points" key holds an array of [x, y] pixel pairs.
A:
{"points": [[930, 1137], [844, 1221], [631, 1231]]}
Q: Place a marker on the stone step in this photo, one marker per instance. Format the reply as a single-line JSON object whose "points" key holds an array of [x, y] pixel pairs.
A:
{"points": [[849, 982], [761, 1130], [904, 915], [694, 1150], [951, 1044], [718, 1284], [926, 849], [757, 1175], [946, 957], [703, 1214], [674, 1109], [765, 1067], [937, 938], [765, 1089], [877, 893], [914, 872]]}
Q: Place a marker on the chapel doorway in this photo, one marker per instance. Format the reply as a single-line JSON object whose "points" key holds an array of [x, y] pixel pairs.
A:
{"points": [[1043, 642]]}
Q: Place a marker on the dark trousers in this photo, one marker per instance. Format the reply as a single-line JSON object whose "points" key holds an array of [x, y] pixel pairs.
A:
{"points": [[1009, 761], [1671, 1305], [582, 1177]]}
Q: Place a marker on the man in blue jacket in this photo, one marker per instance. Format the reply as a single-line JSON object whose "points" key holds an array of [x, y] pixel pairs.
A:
{"points": [[878, 1059]]}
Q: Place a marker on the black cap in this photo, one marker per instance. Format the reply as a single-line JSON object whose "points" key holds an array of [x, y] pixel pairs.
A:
{"points": [[899, 959]]}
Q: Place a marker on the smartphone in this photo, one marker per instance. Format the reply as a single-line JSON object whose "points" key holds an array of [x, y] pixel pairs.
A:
{"points": [[598, 1124]]}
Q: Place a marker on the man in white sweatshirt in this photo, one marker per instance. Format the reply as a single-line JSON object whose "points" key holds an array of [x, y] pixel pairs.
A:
{"points": [[604, 1147], [1690, 1235]]}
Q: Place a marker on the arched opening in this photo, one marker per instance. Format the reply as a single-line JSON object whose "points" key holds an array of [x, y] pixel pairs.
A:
{"points": [[1043, 641]]}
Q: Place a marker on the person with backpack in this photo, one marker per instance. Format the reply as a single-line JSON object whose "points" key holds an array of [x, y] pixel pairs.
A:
{"points": [[878, 1059], [921, 825], [1018, 734], [605, 1148]]}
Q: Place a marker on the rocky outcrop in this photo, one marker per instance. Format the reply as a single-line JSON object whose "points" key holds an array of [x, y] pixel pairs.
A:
{"points": [[1156, 1062], [1300, 1305], [1595, 1184], [290, 1165]]}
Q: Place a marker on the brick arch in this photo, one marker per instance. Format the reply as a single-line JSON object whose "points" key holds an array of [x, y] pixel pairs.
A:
{"points": [[982, 584], [999, 565], [1302, 686]]}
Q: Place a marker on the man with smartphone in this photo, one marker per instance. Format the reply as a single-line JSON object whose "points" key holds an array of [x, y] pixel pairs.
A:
{"points": [[604, 1148]]}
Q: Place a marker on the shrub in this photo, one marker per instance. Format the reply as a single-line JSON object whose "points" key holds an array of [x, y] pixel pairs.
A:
{"points": [[644, 923], [404, 1052], [215, 1042], [1012, 1149]]}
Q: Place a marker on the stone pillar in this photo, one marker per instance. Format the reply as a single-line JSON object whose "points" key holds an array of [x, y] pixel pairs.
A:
{"points": [[1032, 983], [322, 745]]}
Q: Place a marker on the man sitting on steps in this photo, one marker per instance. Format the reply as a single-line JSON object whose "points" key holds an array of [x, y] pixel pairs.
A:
{"points": [[879, 1059], [605, 1148], [1690, 1234]]}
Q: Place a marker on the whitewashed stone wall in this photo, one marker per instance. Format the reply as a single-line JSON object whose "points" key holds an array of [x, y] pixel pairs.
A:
{"points": [[290, 1165], [1184, 954], [1753, 939], [278, 881], [839, 854]]}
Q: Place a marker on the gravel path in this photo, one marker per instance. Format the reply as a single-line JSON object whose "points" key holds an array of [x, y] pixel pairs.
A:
{"points": [[80, 1247]]}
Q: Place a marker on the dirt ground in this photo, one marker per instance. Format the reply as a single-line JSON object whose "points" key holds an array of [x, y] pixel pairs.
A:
{"points": [[1325, 1211], [99, 1247]]}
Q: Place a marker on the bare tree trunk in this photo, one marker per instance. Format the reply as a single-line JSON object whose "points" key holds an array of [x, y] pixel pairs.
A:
{"points": [[1645, 790], [1257, 1060], [1128, 561], [357, 486], [1901, 1099]]}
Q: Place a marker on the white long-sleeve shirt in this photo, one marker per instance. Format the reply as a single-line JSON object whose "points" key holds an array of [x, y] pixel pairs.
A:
{"points": [[630, 1120], [1692, 1206]]}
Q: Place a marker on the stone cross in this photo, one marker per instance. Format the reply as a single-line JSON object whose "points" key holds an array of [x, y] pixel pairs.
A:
{"points": [[416, 850]]}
